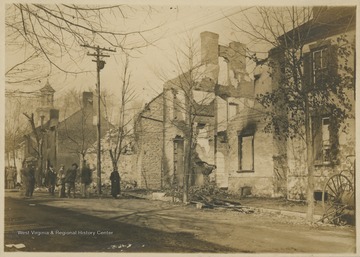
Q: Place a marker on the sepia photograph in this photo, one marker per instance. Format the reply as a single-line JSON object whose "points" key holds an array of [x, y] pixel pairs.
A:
{"points": [[175, 127]]}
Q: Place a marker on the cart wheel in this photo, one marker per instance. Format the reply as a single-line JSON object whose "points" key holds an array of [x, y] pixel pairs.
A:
{"points": [[337, 195]]}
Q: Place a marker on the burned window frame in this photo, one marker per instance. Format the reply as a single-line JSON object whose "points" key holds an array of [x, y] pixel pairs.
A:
{"points": [[240, 152], [232, 105]]}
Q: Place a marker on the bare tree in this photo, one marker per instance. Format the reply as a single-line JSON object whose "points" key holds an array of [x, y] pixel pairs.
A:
{"points": [[15, 128], [299, 96], [52, 34], [122, 131], [182, 93], [37, 149]]}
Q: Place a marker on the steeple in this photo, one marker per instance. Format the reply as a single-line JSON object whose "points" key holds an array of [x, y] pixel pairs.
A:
{"points": [[47, 95], [47, 103]]}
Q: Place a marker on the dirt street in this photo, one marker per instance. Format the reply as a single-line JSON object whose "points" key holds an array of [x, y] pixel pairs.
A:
{"points": [[133, 225]]}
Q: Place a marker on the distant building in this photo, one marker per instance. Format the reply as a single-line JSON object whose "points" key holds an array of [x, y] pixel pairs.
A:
{"points": [[41, 143], [61, 142]]}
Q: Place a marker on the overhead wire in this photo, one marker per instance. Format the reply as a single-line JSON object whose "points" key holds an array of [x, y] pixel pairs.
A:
{"points": [[190, 25]]}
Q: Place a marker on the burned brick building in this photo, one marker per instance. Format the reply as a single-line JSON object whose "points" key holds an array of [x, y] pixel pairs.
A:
{"points": [[230, 122], [220, 114]]}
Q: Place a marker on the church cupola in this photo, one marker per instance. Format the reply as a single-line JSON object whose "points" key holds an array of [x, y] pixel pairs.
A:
{"points": [[47, 103], [47, 95]]}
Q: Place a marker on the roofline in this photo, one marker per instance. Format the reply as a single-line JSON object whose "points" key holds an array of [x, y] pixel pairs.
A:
{"points": [[147, 104], [317, 28]]}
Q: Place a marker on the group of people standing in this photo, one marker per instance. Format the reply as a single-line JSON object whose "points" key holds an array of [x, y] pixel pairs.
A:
{"points": [[66, 179]]}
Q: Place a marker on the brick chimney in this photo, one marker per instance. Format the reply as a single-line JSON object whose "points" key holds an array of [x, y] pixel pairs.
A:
{"points": [[54, 118], [54, 114], [210, 54], [236, 64], [234, 55], [87, 99]]}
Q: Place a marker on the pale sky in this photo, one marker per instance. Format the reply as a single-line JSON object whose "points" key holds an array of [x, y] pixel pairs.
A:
{"points": [[176, 23]]}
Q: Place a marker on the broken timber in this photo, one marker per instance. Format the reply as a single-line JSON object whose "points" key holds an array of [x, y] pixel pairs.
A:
{"points": [[207, 202]]}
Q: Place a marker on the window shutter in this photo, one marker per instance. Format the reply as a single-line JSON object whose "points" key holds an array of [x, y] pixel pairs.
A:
{"points": [[332, 61], [334, 141], [307, 69], [317, 138]]}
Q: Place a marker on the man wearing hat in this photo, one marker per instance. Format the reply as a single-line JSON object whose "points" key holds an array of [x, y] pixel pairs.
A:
{"points": [[24, 179], [70, 179], [51, 175], [31, 177], [28, 176]]}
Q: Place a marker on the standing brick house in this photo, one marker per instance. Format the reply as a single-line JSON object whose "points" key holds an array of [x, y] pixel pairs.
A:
{"points": [[330, 30], [263, 164], [77, 133], [62, 142]]}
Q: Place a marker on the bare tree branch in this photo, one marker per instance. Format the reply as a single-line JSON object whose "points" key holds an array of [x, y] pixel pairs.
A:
{"points": [[55, 32]]}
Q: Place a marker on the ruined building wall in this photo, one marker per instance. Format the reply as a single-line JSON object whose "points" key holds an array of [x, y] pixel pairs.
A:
{"points": [[175, 132], [260, 179], [233, 112], [174, 125], [149, 145], [245, 119]]}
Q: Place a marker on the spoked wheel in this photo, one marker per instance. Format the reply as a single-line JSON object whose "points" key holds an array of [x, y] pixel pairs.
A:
{"points": [[338, 195]]}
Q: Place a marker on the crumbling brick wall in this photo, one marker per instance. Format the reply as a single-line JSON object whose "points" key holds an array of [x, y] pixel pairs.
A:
{"points": [[149, 144], [260, 179]]}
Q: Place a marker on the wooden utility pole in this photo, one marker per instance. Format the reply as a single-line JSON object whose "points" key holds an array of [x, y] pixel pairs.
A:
{"points": [[310, 162], [99, 66]]}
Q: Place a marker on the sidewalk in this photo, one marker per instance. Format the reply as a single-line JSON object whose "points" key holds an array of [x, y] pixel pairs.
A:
{"points": [[263, 205], [277, 206], [282, 206]]}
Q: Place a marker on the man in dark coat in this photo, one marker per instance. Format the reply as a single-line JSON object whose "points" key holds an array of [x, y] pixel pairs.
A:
{"points": [[70, 178], [31, 179], [85, 179], [51, 175], [115, 183], [25, 179]]}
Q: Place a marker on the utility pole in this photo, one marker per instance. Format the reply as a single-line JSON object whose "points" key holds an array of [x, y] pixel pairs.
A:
{"points": [[99, 66]]}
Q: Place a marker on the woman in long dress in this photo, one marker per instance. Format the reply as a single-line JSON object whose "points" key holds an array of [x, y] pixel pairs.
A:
{"points": [[115, 183]]}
